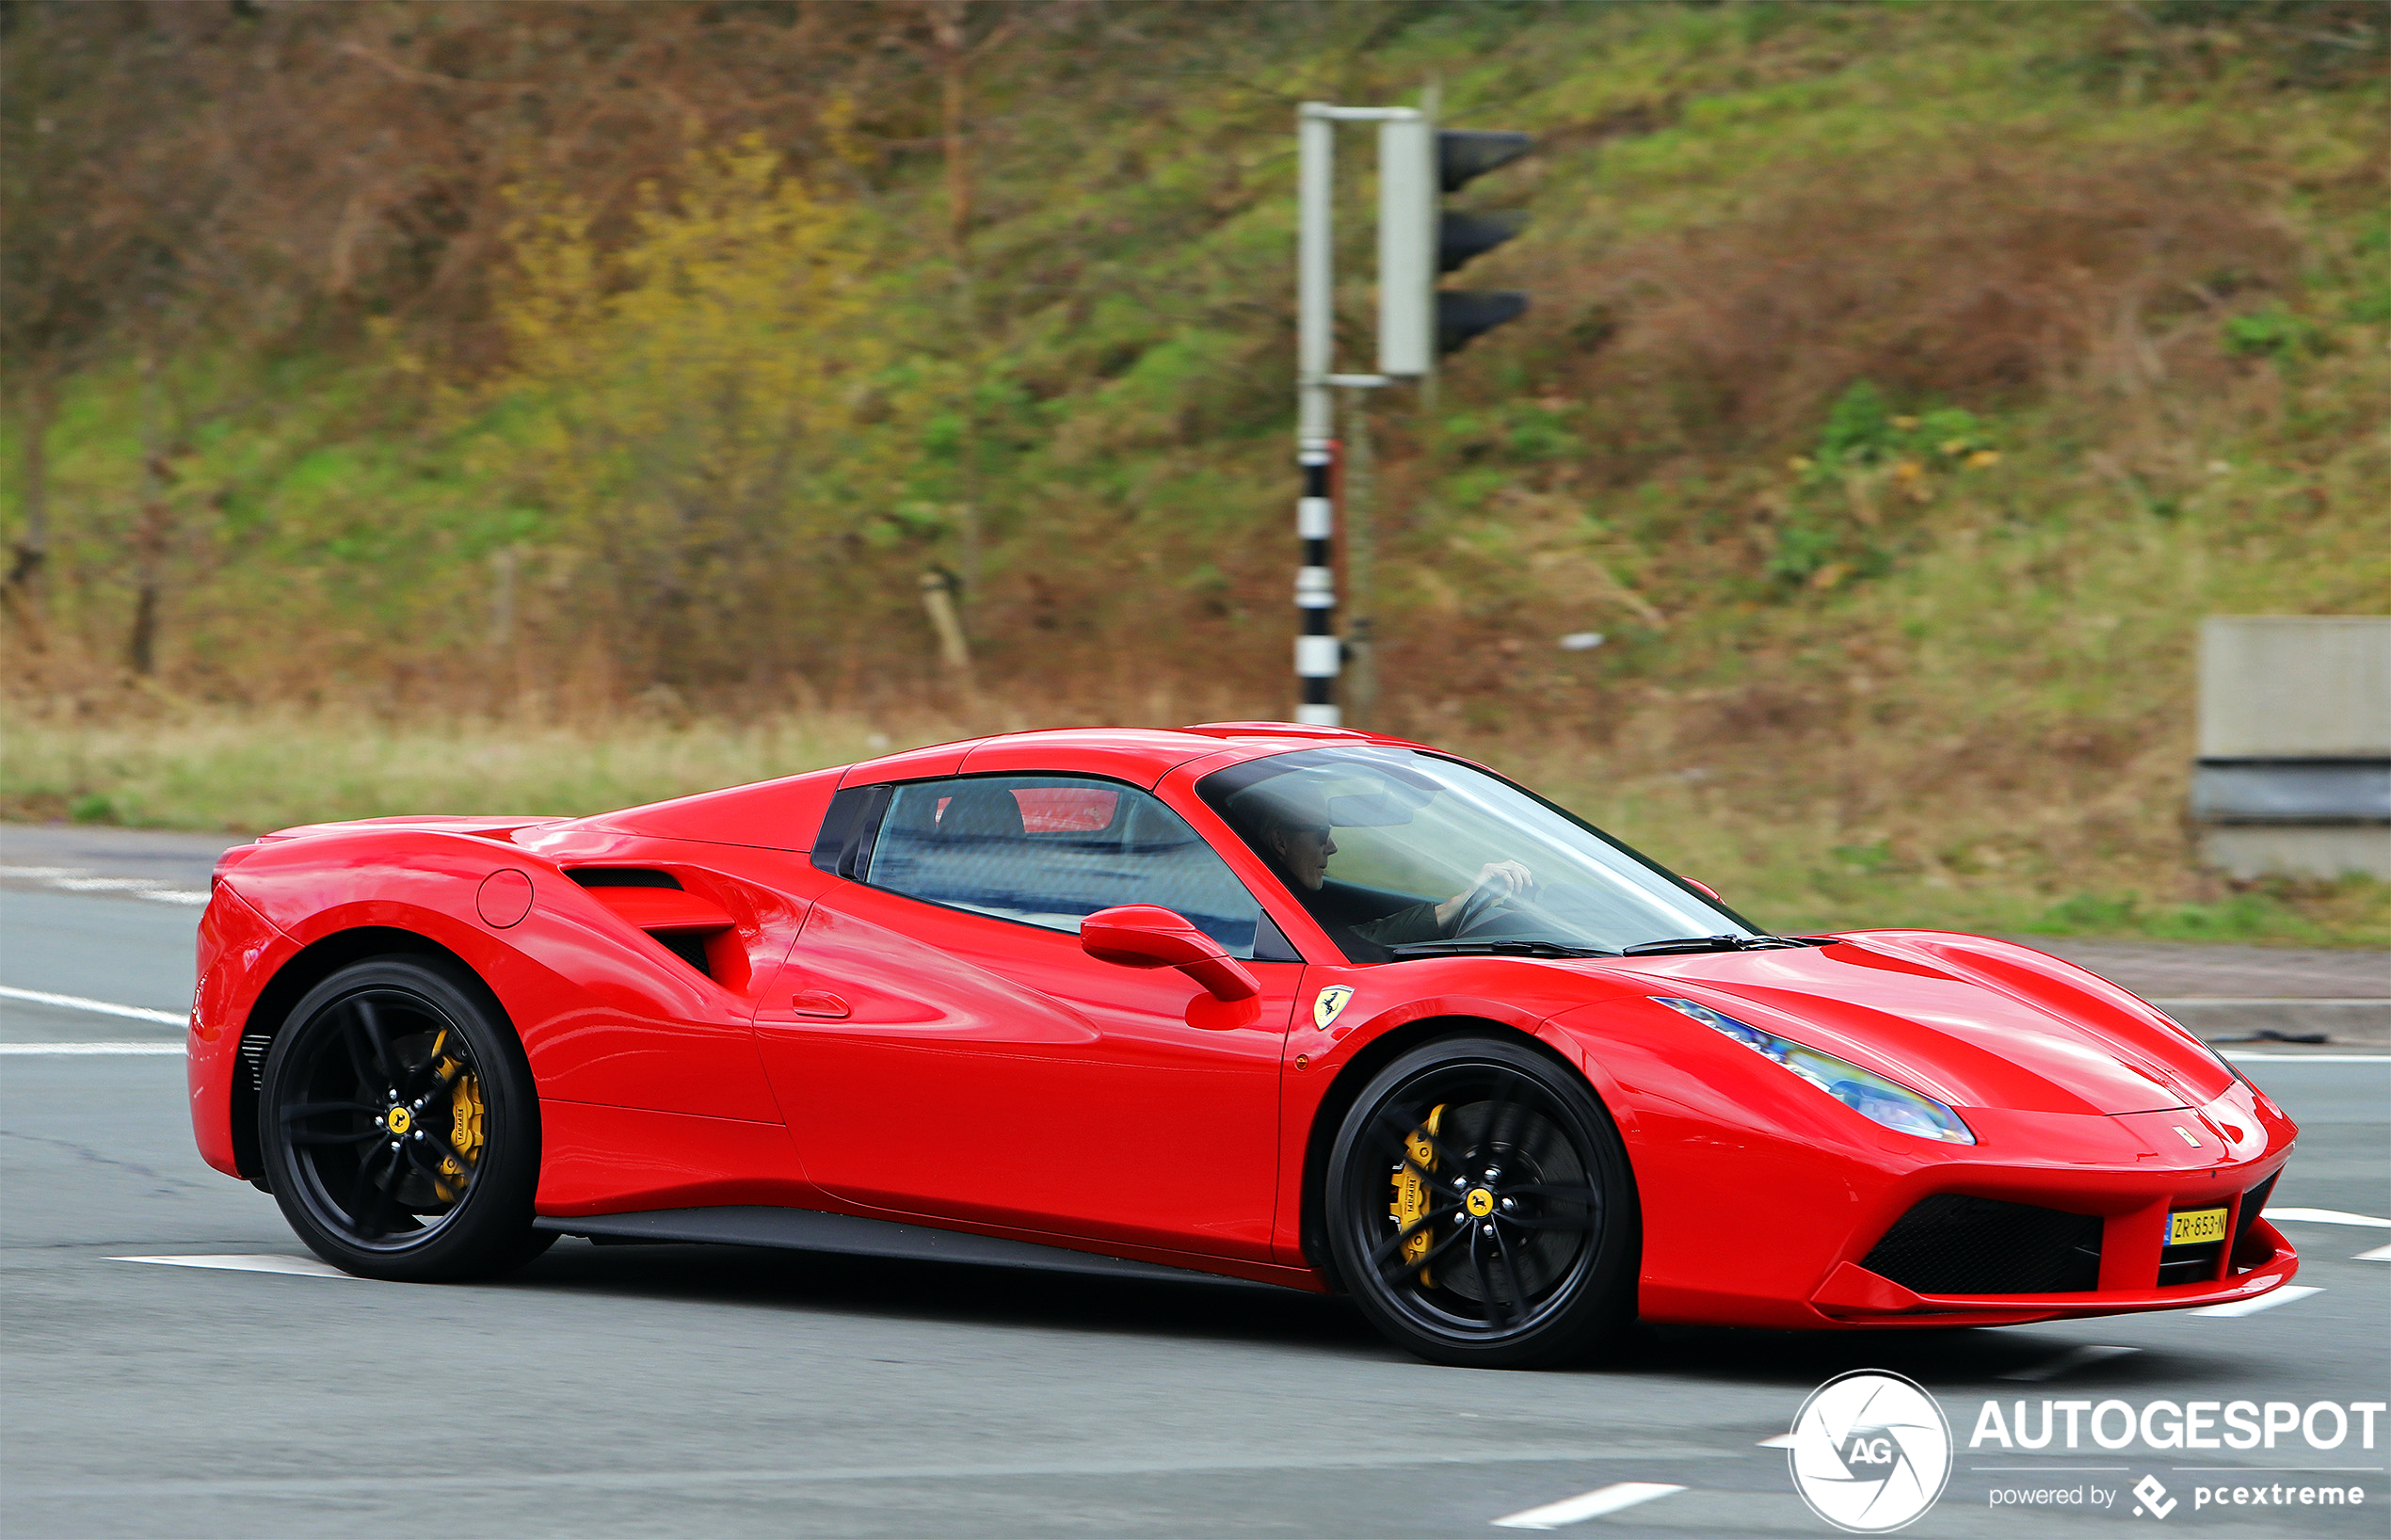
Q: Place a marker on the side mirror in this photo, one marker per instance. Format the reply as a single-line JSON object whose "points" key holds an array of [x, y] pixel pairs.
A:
{"points": [[1703, 887], [1150, 936]]}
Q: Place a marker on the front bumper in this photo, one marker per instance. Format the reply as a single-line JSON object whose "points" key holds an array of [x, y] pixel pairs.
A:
{"points": [[1762, 1202], [2260, 1262], [2225, 1156]]}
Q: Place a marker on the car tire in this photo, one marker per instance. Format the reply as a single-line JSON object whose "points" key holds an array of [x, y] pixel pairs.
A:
{"points": [[1480, 1208], [400, 1127]]}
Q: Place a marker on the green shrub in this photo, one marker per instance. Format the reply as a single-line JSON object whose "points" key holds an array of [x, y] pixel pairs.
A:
{"points": [[2272, 332]]}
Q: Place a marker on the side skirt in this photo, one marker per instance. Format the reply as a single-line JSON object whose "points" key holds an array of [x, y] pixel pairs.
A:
{"points": [[805, 1229]]}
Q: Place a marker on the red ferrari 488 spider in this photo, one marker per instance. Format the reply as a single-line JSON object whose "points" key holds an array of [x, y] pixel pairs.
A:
{"points": [[1312, 1007]]}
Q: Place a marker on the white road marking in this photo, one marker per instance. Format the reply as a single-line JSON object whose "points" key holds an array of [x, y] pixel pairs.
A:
{"points": [[2284, 1295], [410, 1484], [2327, 1216], [304, 1266], [88, 1050], [2307, 1058], [74, 879], [2074, 1357], [1585, 1505], [2379, 1254], [102, 1008], [1783, 1440]]}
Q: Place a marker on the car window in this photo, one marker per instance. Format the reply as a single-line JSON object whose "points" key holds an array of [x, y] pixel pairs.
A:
{"points": [[1388, 846], [1051, 850]]}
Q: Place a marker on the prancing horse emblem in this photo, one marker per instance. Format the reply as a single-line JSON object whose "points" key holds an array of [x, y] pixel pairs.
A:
{"points": [[1332, 1000]]}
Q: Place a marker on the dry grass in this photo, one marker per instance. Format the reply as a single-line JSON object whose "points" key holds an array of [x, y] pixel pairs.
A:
{"points": [[1980, 858], [253, 770]]}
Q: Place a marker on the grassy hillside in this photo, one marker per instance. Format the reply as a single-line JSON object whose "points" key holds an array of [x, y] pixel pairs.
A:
{"points": [[1902, 384]]}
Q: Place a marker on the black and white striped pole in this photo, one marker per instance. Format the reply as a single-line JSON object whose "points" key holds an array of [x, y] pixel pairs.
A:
{"points": [[1319, 654]]}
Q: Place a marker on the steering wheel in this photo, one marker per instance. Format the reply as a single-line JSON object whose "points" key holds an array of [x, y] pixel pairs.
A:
{"points": [[1478, 909]]}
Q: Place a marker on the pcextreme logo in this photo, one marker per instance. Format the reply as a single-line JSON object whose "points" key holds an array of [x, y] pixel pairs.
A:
{"points": [[1871, 1452]]}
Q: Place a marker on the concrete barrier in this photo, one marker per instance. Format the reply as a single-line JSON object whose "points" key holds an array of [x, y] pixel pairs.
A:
{"points": [[2294, 773]]}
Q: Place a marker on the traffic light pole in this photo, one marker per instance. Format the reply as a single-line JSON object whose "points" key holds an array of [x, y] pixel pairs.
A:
{"points": [[1317, 650], [1419, 240], [1319, 654]]}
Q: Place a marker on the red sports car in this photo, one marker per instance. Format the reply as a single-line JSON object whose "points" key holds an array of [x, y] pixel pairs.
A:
{"points": [[1313, 1007]]}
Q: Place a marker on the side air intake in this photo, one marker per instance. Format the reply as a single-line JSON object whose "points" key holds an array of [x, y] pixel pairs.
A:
{"points": [[685, 924]]}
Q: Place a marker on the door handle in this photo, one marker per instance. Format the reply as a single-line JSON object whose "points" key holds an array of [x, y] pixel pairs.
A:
{"points": [[818, 1002]]}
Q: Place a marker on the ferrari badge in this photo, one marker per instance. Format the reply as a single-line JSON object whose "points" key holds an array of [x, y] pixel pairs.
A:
{"points": [[1332, 1000]]}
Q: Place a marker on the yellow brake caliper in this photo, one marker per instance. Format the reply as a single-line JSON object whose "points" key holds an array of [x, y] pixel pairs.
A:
{"points": [[1411, 1192], [465, 1124]]}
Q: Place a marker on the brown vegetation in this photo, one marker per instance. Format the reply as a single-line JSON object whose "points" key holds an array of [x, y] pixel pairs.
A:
{"points": [[1902, 384], [1990, 281]]}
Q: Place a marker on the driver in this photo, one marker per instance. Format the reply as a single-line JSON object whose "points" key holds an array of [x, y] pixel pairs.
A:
{"points": [[1294, 833]]}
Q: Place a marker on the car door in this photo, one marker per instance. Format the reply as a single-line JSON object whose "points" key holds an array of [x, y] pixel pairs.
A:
{"points": [[944, 1048]]}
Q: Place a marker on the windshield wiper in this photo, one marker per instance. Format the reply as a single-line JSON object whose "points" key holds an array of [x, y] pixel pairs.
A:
{"points": [[1513, 947], [1684, 944], [1503, 948], [1720, 943]]}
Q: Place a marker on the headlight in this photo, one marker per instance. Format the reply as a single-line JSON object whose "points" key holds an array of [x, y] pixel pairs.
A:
{"points": [[1871, 1096]]}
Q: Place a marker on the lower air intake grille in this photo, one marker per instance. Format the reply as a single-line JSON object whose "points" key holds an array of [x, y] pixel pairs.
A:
{"points": [[2247, 1252], [2188, 1264], [1949, 1244]]}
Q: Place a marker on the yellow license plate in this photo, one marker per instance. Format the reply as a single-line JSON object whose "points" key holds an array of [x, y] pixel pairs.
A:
{"points": [[2195, 1227]]}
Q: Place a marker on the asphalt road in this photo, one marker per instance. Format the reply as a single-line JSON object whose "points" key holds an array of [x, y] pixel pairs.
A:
{"points": [[688, 1391]]}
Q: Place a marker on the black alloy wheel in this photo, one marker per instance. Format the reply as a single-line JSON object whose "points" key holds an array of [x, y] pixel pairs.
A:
{"points": [[1481, 1208], [399, 1125]]}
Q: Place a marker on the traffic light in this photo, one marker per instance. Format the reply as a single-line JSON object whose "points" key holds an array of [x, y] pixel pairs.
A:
{"points": [[1419, 240]]}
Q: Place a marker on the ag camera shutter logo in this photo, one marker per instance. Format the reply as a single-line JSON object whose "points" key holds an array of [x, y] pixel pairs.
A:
{"points": [[1871, 1452]]}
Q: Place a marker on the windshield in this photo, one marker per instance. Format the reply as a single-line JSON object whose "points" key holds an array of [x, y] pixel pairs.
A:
{"points": [[1394, 851]]}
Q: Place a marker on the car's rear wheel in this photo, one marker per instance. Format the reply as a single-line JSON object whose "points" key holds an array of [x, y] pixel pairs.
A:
{"points": [[399, 1124], [1481, 1210]]}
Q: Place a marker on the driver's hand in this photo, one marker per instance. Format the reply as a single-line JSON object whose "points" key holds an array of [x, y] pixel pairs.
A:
{"points": [[1503, 881], [1497, 884]]}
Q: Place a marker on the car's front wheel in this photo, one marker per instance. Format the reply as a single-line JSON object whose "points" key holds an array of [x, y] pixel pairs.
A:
{"points": [[399, 1125], [1481, 1210]]}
